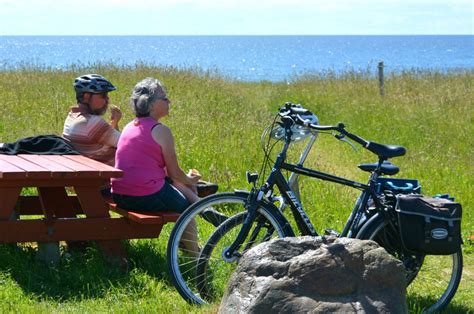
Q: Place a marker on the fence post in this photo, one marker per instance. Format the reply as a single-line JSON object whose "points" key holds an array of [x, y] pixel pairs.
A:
{"points": [[381, 80]]}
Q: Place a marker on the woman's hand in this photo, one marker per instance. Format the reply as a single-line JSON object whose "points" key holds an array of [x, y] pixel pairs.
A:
{"points": [[194, 177], [193, 172]]}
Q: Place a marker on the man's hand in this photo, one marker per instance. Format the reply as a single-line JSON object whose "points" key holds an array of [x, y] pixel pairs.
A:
{"points": [[115, 116]]}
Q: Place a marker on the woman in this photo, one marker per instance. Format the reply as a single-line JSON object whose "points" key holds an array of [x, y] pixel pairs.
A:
{"points": [[146, 154]]}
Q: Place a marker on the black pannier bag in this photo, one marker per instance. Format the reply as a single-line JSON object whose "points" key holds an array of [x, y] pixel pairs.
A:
{"points": [[429, 225]]}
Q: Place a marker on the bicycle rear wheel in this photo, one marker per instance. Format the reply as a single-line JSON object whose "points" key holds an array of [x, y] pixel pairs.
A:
{"points": [[202, 278], [432, 280]]}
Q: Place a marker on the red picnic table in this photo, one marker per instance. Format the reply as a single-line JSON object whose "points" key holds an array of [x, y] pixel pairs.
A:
{"points": [[57, 216]]}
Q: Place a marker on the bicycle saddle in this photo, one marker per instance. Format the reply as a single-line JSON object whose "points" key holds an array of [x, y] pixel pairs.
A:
{"points": [[387, 151], [387, 168]]}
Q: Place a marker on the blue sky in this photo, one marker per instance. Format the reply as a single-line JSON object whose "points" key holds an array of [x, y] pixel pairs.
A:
{"points": [[242, 17]]}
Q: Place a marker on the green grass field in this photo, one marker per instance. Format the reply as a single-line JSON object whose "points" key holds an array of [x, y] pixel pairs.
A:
{"points": [[217, 125]]}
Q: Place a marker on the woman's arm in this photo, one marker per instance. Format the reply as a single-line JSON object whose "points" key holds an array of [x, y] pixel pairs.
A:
{"points": [[162, 135]]}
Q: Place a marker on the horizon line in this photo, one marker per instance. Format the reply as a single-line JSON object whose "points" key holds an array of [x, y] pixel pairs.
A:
{"points": [[145, 35]]}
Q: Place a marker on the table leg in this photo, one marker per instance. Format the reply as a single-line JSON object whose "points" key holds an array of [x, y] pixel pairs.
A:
{"points": [[92, 202], [48, 253], [94, 205], [8, 199], [54, 202], [114, 253]]}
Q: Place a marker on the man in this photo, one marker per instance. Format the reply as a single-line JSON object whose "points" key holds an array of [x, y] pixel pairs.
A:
{"points": [[88, 133], [84, 127]]}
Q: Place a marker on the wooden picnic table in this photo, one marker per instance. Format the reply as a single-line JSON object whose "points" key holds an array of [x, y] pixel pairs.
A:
{"points": [[53, 215]]}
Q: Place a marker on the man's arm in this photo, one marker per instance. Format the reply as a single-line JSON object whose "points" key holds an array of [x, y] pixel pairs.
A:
{"points": [[104, 133], [115, 116]]}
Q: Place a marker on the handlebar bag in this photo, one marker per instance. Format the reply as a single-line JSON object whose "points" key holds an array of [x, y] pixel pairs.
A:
{"points": [[429, 225]]}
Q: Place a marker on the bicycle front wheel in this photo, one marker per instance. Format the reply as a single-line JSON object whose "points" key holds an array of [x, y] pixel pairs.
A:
{"points": [[201, 276], [432, 280]]}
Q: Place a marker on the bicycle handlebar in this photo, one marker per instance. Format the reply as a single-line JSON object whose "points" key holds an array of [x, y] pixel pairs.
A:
{"points": [[298, 113], [356, 138]]}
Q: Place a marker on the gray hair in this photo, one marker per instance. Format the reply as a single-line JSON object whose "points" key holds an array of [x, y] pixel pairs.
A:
{"points": [[144, 94]]}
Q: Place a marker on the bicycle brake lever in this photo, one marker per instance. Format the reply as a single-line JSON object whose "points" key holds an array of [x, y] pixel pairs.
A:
{"points": [[342, 138], [350, 143]]}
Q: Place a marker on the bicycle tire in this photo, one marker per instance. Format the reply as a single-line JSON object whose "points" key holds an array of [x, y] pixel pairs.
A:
{"points": [[432, 280], [186, 272]]}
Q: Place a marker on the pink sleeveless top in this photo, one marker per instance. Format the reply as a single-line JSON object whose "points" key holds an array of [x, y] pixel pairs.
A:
{"points": [[140, 158]]}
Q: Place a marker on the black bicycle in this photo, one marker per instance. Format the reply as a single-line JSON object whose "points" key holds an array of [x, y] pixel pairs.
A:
{"points": [[253, 217]]}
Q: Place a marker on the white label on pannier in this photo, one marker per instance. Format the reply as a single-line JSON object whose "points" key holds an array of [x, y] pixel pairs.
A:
{"points": [[439, 233]]}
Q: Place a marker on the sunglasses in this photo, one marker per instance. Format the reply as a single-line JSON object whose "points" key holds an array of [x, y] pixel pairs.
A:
{"points": [[103, 95]]}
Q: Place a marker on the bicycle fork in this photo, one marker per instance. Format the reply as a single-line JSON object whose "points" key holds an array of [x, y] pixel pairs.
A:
{"points": [[231, 254]]}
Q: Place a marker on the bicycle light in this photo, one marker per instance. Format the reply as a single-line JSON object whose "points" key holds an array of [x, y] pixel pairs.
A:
{"points": [[252, 177]]}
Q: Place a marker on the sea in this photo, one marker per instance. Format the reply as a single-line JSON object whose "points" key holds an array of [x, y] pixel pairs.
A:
{"points": [[245, 58]]}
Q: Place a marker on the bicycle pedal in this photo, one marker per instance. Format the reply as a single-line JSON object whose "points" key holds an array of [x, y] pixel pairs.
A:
{"points": [[331, 232]]}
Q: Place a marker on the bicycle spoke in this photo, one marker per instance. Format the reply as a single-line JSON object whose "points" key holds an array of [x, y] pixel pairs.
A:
{"points": [[204, 278]]}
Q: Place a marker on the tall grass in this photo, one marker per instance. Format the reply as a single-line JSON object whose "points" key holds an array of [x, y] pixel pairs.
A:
{"points": [[217, 125]]}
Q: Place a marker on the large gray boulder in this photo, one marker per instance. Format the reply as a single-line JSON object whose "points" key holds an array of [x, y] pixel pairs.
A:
{"points": [[316, 274]]}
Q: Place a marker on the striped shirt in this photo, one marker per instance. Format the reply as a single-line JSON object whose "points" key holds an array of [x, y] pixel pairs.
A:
{"points": [[91, 135]]}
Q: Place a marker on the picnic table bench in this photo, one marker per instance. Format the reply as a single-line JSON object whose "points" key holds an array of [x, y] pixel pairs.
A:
{"points": [[54, 215]]}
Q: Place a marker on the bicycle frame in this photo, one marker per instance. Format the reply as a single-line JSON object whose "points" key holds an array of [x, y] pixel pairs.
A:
{"points": [[288, 195]]}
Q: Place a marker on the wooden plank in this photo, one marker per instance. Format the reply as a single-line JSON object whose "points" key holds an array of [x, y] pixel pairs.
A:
{"points": [[31, 205], [170, 217], [57, 170], [56, 181], [10, 171], [80, 169], [148, 219], [32, 170], [138, 217], [75, 229], [106, 171]]}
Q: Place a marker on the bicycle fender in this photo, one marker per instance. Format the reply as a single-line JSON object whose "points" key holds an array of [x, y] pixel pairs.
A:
{"points": [[273, 209], [242, 192], [372, 220]]}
